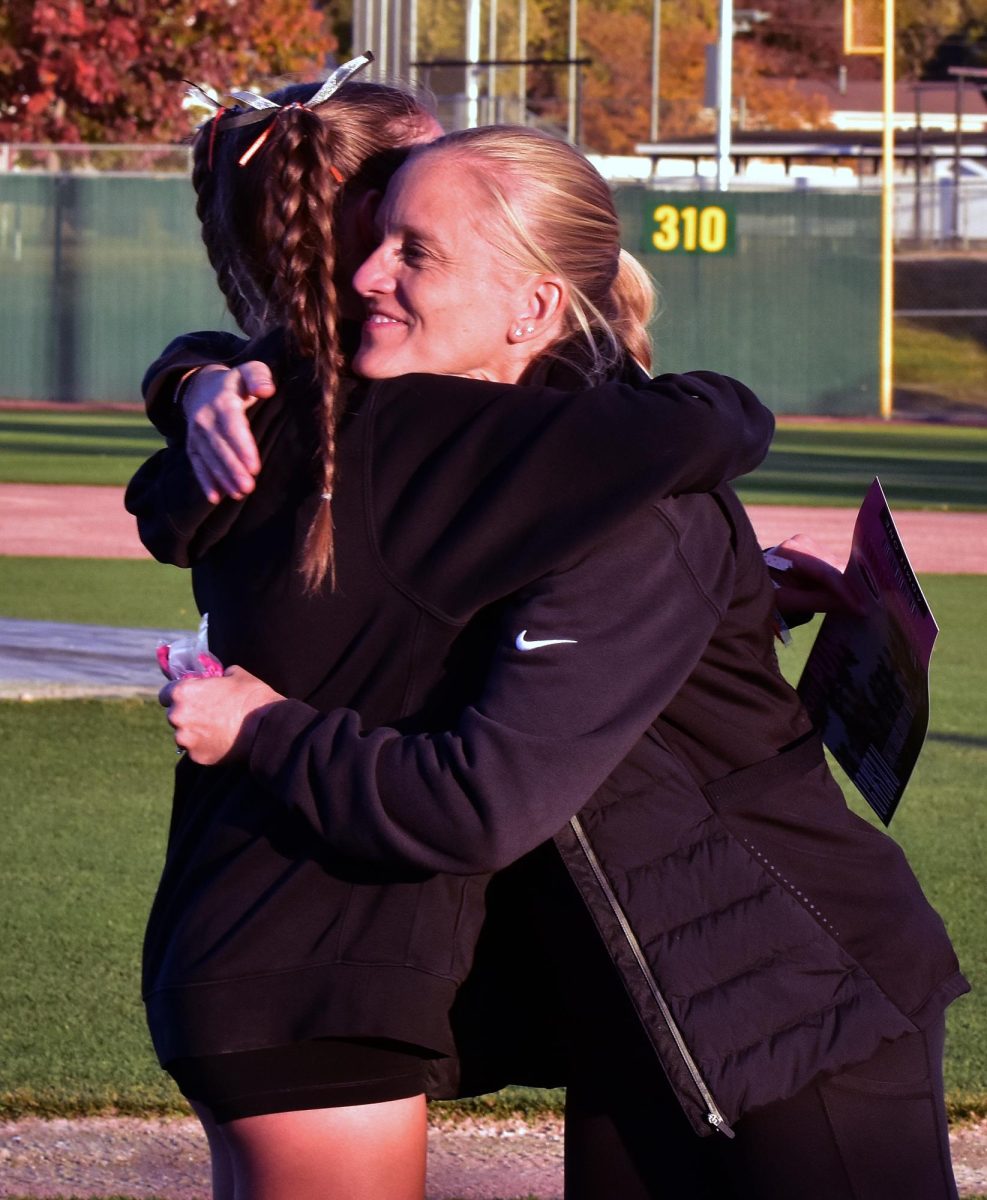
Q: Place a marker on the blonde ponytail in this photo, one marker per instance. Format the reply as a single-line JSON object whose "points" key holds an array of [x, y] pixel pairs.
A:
{"points": [[634, 303]]}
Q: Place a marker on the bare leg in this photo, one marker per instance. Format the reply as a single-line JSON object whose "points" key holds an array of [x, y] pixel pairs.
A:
{"points": [[219, 1155], [365, 1152]]}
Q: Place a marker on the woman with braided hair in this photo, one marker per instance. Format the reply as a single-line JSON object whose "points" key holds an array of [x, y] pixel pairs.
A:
{"points": [[269, 223], [496, 795], [303, 1000]]}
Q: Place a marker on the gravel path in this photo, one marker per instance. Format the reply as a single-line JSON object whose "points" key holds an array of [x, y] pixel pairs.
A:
{"points": [[168, 1159]]}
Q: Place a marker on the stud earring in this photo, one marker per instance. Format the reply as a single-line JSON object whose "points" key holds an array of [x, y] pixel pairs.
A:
{"points": [[529, 329]]}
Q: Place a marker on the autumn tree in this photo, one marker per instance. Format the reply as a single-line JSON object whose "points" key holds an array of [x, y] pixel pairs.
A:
{"points": [[617, 95], [616, 88], [801, 39], [934, 34], [805, 38], [112, 70]]}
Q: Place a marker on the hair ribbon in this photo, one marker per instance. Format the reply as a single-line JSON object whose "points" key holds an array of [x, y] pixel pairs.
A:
{"points": [[260, 108]]}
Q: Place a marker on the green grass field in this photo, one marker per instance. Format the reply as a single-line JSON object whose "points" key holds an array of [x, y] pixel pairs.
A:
{"points": [[84, 803], [73, 446], [921, 465], [80, 857], [930, 361], [940, 822], [97, 591]]}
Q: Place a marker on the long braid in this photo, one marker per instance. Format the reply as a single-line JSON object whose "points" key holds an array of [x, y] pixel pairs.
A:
{"points": [[212, 207], [267, 200], [298, 228]]}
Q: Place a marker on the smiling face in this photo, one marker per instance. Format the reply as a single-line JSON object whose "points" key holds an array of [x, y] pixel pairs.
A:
{"points": [[439, 297], [356, 234]]}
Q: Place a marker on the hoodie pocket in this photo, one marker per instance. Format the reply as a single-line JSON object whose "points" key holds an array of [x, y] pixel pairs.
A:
{"points": [[430, 925]]}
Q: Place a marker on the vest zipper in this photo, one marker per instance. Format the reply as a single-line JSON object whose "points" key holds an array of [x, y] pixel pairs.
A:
{"points": [[713, 1114]]}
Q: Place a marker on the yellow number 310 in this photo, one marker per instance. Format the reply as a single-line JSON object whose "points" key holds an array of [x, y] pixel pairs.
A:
{"points": [[690, 229]]}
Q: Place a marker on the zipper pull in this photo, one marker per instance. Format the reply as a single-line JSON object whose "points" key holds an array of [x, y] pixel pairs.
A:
{"points": [[719, 1124]]}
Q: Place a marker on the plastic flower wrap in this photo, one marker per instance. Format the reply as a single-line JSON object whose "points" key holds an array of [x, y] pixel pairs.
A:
{"points": [[189, 655], [775, 562]]}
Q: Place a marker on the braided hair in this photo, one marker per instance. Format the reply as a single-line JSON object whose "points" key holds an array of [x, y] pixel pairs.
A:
{"points": [[269, 223]]}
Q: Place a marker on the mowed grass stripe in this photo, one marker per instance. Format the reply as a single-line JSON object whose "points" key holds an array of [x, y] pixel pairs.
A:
{"points": [[98, 470], [811, 462], [81, 439], [811, 484], [70, 421], [74, 447], [920, 466]]}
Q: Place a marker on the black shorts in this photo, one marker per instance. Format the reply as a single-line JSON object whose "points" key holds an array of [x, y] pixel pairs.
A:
{"points": [[323, 1073]]}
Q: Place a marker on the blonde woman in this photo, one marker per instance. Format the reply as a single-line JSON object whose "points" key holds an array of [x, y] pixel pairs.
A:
{"points": [[521, 657]]}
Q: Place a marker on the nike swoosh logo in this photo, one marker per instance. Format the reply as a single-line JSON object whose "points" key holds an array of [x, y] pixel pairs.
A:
{"points": [[523, 643]]}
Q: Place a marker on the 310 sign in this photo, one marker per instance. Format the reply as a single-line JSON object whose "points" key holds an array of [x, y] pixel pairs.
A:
{"points": [[690, 229]]}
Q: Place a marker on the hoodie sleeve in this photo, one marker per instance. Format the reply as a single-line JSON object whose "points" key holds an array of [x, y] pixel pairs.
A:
{"points": [[176, 522], [478, 488], [585, 661], [184, 354]]}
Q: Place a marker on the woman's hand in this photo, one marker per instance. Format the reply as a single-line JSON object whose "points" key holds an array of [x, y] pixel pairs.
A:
{"points": [[219, 441], [814, 583], [215, 719]]}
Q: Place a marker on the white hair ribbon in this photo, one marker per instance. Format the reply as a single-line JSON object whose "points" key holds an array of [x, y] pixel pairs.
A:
{"points": [[339, 77], [260, 107]]}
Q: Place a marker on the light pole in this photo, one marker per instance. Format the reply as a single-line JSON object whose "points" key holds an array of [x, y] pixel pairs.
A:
{"points": [[492, 69], [412, 40], [887, 214], [522, 71], [573, 69], [473, 57], [724, 95], [655, 65]]}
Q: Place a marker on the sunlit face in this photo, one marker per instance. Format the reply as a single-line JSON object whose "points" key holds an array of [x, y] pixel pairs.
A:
{"points": [[356, 235], [439, 297]]}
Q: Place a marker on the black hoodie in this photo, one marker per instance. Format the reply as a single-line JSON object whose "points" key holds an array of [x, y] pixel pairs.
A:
{"points": [[524, 626]]}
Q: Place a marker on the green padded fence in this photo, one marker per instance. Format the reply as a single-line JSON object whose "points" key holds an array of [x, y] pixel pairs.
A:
{"points": [[780, 289], [97, 273]]}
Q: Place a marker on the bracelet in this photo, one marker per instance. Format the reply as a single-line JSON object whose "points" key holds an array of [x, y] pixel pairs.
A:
{"points": [[182, 387]]}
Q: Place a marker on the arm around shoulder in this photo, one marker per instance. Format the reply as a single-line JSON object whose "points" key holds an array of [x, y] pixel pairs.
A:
{"points": [[583, 663], [700, 428], [163, 377]]}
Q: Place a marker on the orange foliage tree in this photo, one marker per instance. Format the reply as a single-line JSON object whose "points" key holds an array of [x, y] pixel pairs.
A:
{"points": [[617, 92], [111, 70]]}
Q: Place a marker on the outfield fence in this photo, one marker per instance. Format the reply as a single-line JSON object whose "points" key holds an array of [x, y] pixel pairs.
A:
{"points": [[98, 273], [779, 287]]}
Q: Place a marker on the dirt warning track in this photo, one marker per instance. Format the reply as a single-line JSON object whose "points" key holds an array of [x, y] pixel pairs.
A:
{"points": [[57, 521]]}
